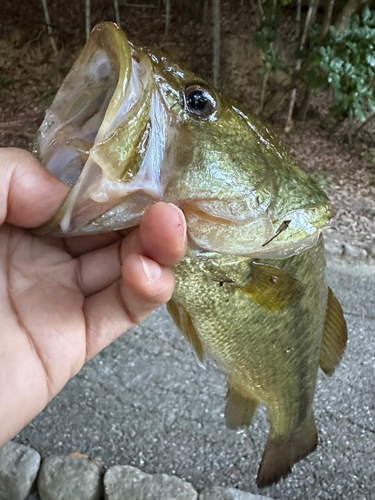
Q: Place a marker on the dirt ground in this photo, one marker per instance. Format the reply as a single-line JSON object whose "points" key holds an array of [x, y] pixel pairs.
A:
{"points": [[30, 74]]}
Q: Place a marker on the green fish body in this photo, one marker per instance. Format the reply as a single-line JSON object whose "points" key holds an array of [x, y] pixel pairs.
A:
{"points": [[262, 322], [128, 128]]}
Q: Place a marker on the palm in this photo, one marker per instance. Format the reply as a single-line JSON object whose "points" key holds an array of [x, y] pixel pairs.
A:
{"points": [[42, 307], [63, 300]]}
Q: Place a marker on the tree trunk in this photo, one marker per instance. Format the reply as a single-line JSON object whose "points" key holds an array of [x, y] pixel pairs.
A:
{"points": [[305, 105], [350, 7], [256, 14], [49, 28], [293, 95], [310, 16], [117, 13], [263, 92], [261, 11], [327, 17], [216, 40], [87, 17], [167, 16]]}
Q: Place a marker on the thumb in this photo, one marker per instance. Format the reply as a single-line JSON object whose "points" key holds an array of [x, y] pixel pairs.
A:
{"points": [[29, 194]]}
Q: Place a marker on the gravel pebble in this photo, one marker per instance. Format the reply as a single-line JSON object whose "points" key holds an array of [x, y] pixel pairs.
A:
{"points": [[19, 467], [129, 483], [333, 248], [218, 493], [355, 253], [72, 477]]}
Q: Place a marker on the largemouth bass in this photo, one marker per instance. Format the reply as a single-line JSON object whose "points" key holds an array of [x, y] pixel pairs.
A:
{"points": [[128, 128]]}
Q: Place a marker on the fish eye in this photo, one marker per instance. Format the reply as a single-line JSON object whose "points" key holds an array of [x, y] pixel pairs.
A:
{"points": [[198, 101]]}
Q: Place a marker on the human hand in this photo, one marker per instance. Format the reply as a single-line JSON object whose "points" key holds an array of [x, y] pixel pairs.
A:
{"points": [[62, 300]]}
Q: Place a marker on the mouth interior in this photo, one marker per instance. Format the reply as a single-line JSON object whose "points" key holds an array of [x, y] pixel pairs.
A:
{"points": [[73, 121], [85, 111]]}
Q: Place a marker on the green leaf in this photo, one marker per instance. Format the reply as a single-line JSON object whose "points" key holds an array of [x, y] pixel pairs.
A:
{"points": [[370, 58]]}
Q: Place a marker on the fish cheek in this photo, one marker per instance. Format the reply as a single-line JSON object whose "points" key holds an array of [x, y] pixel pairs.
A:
{"points": [[179, 159], [184, 153]]}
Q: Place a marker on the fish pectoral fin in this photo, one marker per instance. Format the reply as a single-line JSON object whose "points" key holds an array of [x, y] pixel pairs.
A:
{"points": [[272, 288], [184, 323], [335, 336], [282, 452], [239, 409]]}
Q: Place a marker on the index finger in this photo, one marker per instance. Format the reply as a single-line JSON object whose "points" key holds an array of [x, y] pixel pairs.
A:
{"points": [[29, 194]]}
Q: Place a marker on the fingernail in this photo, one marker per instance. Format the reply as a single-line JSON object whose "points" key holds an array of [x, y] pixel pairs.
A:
{"points": [[151, 269], [182, 219]]}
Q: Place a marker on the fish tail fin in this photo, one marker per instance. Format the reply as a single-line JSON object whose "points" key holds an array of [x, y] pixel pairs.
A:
{"points": [[282, 452]]}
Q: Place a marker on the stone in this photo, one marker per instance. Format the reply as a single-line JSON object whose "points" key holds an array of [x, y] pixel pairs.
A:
{"points": [[218, 493], [355, 253], [19, 466], [333, 248], [372, 251], [129, 483], [73, 477]]}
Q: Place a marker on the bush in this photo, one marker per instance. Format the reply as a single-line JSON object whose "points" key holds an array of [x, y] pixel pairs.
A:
{"points": [[347, 64]]}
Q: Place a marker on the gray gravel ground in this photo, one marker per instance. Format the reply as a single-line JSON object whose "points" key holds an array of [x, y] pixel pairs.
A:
{"points": [[145, 402]]}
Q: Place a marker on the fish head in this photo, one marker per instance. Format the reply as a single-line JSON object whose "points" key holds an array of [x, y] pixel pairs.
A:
{"points": [[129, 127]]}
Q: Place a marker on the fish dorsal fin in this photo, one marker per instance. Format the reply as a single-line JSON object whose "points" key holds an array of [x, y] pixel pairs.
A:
{"points": [[184, 323], [239, 409], [335, 336], [272, 288]]}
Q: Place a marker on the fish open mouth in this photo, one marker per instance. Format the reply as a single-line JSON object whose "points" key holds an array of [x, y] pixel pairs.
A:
{"points": [[104, 134], [120, 135]]}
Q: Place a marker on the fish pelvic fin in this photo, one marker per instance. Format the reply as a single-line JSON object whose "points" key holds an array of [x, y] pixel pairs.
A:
{"points": [[282, 452], [183, 321], [272, 288], [239, 408], [335, 336]]}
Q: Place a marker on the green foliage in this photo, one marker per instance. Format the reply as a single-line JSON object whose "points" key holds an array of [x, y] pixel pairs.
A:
{"points": [[265, 37], [346, 62]]}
